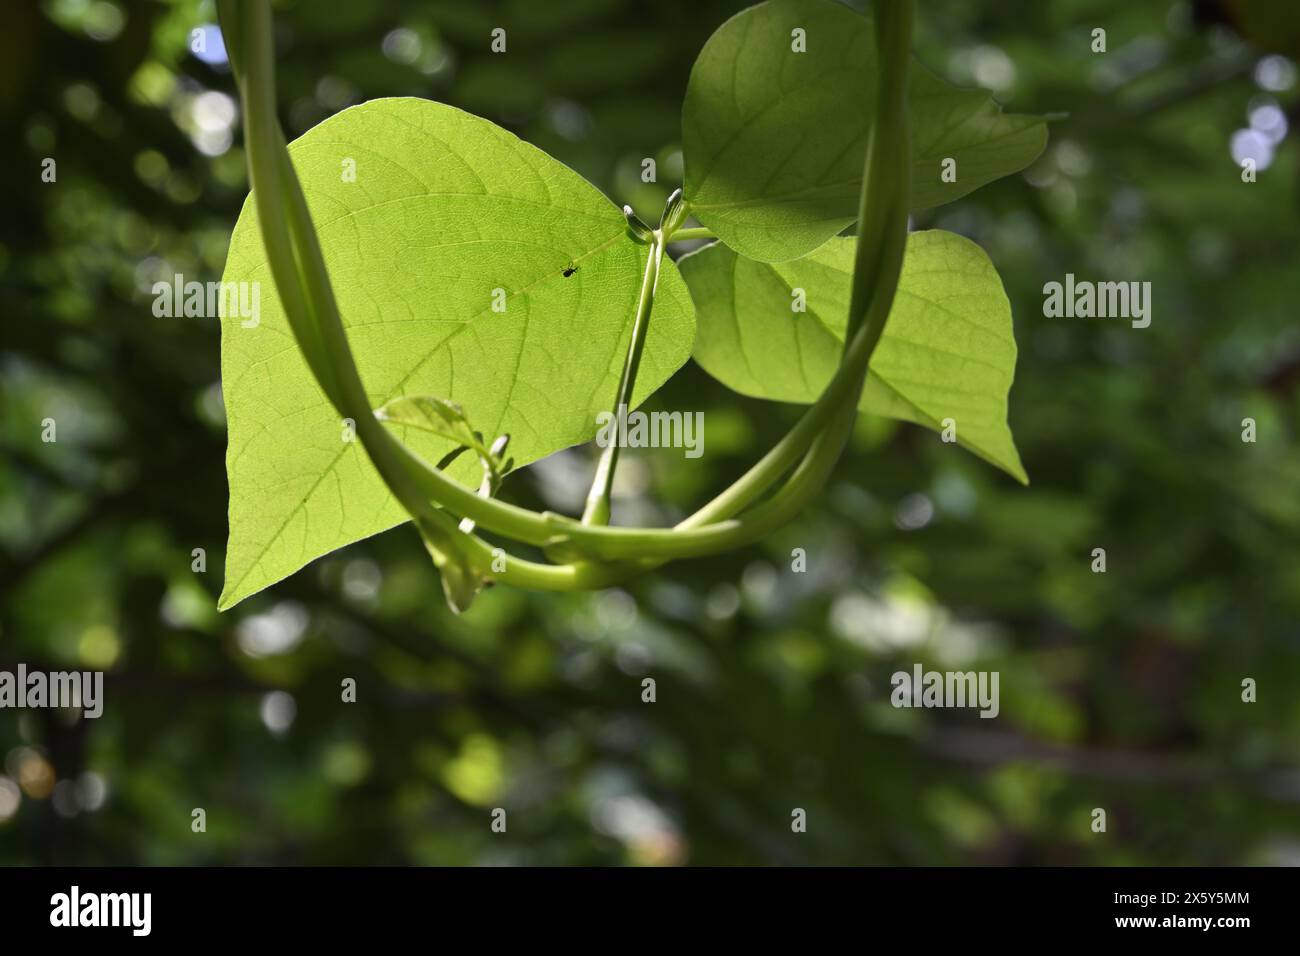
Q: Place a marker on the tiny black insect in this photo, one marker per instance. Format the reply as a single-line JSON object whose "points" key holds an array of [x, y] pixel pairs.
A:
{"points": [[570, 270]]}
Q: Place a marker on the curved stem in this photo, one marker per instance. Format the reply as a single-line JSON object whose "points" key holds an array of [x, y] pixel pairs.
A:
{"points": [[886, 192], [302, 281], [303, 285], [879, 257]]}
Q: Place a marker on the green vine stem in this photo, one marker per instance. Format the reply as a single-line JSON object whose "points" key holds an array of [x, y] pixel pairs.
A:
{"points": [[819, 436], [691, 232], [597, 509]]}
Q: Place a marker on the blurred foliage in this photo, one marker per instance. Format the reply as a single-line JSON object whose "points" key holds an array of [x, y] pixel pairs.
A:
{"points": [[1119, 690]]}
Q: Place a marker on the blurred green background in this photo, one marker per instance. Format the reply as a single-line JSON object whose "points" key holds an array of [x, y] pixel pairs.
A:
{"points": [[1119, 690]]}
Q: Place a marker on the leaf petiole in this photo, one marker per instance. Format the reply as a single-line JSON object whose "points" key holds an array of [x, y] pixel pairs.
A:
{"points": [[598, 507], [691, 233]]}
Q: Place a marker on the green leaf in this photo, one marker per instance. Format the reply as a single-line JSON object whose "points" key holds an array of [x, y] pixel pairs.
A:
{"points": [[947, 351], [774, 140], [444, 209]]}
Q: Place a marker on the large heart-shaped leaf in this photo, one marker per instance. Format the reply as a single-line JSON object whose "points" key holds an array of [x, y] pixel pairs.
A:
{"points": [[947, 351], [468, 265], [774, 138]]}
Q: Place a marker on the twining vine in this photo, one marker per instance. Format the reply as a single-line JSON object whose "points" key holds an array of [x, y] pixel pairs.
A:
{"points": [[586, 553]]}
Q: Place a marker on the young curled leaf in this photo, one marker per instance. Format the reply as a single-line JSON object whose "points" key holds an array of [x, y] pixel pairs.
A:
{"points": [[431, 414], [448, 420], [460, 582]]}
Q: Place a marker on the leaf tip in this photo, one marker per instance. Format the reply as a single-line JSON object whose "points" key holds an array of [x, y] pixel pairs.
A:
{"points": [[1016, 469]]}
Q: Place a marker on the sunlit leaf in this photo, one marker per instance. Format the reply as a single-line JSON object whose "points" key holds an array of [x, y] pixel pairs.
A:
{"points": [[774, 139], [947, 351], [448, 219]]}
